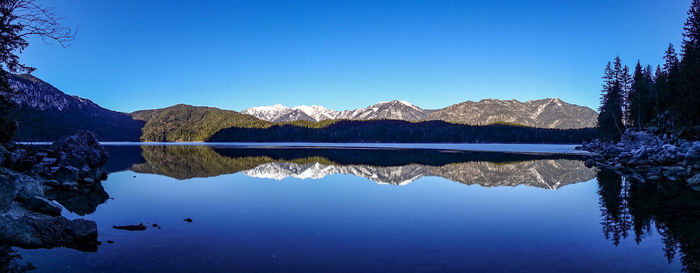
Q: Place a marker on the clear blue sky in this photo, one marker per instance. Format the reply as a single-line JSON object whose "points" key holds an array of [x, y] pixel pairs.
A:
{"points": [[132, 55]]}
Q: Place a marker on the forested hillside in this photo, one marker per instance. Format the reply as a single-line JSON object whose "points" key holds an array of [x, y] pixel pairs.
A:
{"points": [[190, 123]]}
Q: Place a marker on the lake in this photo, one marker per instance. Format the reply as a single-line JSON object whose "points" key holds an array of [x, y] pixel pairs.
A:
{"points": [[375, 209]]}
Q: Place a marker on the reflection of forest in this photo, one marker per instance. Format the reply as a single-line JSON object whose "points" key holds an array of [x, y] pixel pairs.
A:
{"points": [[383, 166], [630, 207], [10, 261]]}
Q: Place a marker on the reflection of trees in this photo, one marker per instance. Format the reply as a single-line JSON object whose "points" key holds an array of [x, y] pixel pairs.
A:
{"points": [[383, 165], [673, 209], [9, 261]]}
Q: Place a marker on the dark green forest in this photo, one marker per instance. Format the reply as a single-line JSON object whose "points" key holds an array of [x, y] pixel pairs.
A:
{"points": [[397, 131], [664, 99]]}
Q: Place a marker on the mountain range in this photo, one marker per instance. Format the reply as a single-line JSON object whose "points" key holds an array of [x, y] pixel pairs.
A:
{"points": [[45, 113], [544, 113]]}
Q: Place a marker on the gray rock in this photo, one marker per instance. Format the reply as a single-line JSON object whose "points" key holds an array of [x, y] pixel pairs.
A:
{"points": [[69, 184], [67, 174], [52, 183], [42, 205], [27, 187], [88, 180], [79, 149], [4, 153], [693, 153], [34, 230], [48, 161], [8, 191], [695, 180]]}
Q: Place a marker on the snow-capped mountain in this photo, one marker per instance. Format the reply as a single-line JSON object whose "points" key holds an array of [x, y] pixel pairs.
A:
{"points": [[544, 113], [281, 113], [401, 110], [396, 109], [317, 112]]}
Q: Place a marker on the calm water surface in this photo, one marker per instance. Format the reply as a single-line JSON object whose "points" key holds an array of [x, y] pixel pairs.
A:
{"points": [[375, 210]]}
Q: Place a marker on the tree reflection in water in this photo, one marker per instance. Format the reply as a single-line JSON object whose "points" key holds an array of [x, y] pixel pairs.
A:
{"points": [[10, 261], [672, 208]]}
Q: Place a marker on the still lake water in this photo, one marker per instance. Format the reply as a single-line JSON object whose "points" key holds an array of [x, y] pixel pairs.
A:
{"points": [[376, 210]]}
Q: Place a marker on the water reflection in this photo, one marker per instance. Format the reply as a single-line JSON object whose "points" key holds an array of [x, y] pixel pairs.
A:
{"points": [[396, 167], [630, 211], [630, 207], [11, 262]]}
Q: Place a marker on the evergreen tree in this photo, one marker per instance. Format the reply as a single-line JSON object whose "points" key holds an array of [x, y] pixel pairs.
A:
{"points": [[625, 87], [19, 20], [610, 112], [640, 97], [666, 90], [689, 72]]}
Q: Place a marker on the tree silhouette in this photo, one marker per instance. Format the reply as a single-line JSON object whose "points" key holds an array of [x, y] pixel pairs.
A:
{"points": [[19, 20]]}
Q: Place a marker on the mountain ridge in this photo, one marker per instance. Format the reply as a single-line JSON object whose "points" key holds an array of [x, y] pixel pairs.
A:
{"points": [[541, 113], [45, 113]]}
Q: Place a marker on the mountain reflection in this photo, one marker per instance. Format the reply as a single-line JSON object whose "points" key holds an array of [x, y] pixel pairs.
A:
{"points": [[630, 207], [395, 167]]}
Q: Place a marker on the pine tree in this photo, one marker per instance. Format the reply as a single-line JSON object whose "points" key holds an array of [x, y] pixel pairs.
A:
{"points": [[20, 20], [610, 112], [666, 89], [689, 72], [625, 87], [641, 97]]}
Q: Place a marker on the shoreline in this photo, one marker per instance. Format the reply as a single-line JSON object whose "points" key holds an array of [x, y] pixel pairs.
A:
{"points": [[528, 148], [648, 157]]}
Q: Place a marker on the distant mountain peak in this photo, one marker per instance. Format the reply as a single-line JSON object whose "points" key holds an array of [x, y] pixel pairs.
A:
{"points": [[543, 113]]}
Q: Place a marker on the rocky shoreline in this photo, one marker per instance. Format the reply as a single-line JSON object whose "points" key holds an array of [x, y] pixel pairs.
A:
{"points": [[648, 157], [36, 183]]}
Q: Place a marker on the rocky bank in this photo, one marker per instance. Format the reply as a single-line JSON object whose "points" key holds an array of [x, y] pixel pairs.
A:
{"points": [[648, 157], [33, 178]]}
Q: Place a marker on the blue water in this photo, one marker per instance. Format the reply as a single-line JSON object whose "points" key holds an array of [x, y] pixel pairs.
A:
{"points": [[349, 223]]}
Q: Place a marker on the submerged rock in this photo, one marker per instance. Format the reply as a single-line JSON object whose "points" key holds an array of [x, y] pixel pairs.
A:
{"points": [[139, 227]]}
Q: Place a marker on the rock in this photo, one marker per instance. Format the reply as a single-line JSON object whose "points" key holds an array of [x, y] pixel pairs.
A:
{"points": [[79, 149], [639, 158], [48, 161], [52, 183], [695, 180], [38, 168], [4, 153], [42, 205], [693, 153], [28, 187], [88, 180], [139, 227], [69, 173], [28, 229], [69, 184], [8, 191]]}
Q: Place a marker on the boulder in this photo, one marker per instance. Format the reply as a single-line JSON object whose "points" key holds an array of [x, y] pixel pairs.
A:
{"points": [[79, 149], [28, 229], [42, 205], [4, 153], [693, 154], [8, 191], [69, 173], [641, 157], [695, 180]]}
